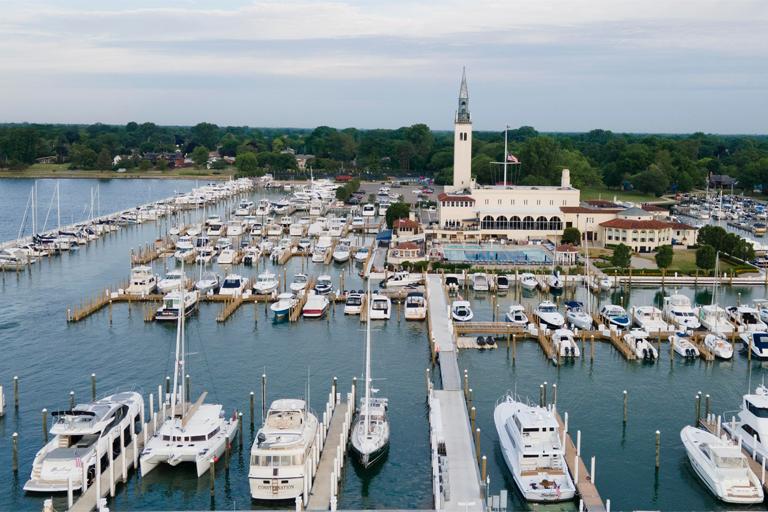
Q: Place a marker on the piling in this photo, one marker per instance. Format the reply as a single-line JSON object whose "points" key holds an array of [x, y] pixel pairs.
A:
{"points": [[15, 455], [71, 400], [473, 417], [251, 399], [167, 385], [706, 405], [16, 392], [554, 394], [592, 348], [544, 386], [484, 470], [541, 395], [477, 444], [658, 449], [213, 476], [626, 397], [187, 393], [698, 409], [240, 426], [263, 396], [45, 426]]}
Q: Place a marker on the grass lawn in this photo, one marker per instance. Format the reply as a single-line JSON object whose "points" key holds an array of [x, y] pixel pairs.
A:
{"points": [[684, 261], [609, 194]]}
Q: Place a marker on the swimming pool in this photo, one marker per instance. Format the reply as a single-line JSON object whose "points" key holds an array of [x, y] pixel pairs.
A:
{"points": [[487, 253]]}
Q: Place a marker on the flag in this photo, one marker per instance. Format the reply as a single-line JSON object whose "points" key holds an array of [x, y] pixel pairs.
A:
{"points": [[513, 159], [78, 462]]}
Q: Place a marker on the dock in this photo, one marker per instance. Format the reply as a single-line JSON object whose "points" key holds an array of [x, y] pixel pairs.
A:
{"points": [[585, 485], [455, 473]]}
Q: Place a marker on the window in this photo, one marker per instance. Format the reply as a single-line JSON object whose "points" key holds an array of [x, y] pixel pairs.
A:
{"points": [[538, 202], [555, 224], [486, 201], [501, 222], [525, 202], [528, 223], [541, 223], [487, 222], [499, 202], [760, 412], [514, 223], [551, 202]]}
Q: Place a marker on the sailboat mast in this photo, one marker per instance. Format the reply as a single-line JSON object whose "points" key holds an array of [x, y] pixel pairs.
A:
{"points": [[34, 208], [506, 155], [178, 378], [58, 206], [367, 408]]}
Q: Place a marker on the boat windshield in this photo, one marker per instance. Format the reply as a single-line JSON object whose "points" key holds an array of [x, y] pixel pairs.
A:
{"points": [[760, 412], [231, 283], [730, 462], [547, 309]]}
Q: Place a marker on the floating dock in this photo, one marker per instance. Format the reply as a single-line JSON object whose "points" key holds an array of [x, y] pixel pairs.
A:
{"points": [[585, 486]]}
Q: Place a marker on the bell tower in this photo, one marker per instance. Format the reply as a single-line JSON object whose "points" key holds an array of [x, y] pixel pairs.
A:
{"points": [[462, 140]]}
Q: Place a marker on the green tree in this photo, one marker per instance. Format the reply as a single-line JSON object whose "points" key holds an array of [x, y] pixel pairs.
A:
{"points": [[343, 194], [652, 181], [664, 256], [104, 160], [205, 134], [622, 256], [162, 164], [571, 236], [145, 164], [247, 164], [200, 156], [397, 211], [705, 257], [82, 157], [539, 157]]}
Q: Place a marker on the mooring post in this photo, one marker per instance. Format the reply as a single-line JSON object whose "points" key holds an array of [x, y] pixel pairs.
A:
{"points": [[15, 454], [263, 396], [541, 395], [167, 385], [213, 476], [71, 400], [16, 392], [554, 394], [626, 397], [473, 417], [45, 426], [706, 404], [658, 449], [477, 444], [251, 399], [93, 387], [187, 392], [698, 409]]}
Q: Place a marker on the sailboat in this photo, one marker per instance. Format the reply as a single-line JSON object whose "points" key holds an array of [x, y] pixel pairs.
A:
{"points": [[197, 433], [370, 431]]}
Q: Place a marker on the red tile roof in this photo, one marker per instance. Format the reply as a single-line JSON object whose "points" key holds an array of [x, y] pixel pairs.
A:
{"points": [[653, 208], [447, 197], [680, 225], [635, 224], [407, 246], [566, 248], [582, 209], [406, 223], [602, 203]]}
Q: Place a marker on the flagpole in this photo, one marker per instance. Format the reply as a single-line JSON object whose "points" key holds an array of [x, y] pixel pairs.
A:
{"points": [[506, 155]]}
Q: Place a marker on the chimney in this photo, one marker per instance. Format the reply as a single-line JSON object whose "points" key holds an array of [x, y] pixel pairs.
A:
{"points": [[565, 180]]}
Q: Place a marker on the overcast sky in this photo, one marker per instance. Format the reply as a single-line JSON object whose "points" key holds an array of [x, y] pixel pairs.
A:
{"points": [[557, 65]]}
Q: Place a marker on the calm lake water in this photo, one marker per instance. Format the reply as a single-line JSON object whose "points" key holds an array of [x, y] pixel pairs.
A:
{"points": [[51, 358]]}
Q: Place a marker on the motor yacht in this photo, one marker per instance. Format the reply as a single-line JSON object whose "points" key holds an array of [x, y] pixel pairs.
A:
{"points": [[251, 255], [756, 342], [721, 466], [678, 311], [319, 253], [233, 285], [547, 314], [516, 315], [80, 436], [342, 250], [282, 452], [555, 282], [381, 307], [205, 254], [649, 319], [235, 228], [747, 318], [461, 311], [369, 210], [305, 244], [266, 283], [216, 228], [415, 306], [613, 314], [226, 256], [751, 420], [683, 346], [324, 285], [528, 281], [143, 281], [605, 283], [316, 306], [208, 282], [354, 303], [502, 282], [358, 222], [576, 316], [173, 280], [401, 278], [637, 341], [480, 282], [185, 249], [565, 344], [172, 305], [299, 283], [529, 438], [361, 254], [719, 346], [285, 302]]}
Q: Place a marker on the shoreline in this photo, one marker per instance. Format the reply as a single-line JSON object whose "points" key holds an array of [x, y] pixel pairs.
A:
{"points": [[109, 175]]}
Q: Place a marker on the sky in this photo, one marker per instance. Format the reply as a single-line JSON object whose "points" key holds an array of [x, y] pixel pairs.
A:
{"points": [[671, 66]]}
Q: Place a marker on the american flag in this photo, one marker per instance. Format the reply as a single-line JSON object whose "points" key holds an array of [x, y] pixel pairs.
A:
{"points": [[513, 159]]}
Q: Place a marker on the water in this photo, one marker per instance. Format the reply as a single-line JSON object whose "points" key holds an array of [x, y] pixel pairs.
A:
{"points": [[51, 358], [116, 195], [493, 253]]}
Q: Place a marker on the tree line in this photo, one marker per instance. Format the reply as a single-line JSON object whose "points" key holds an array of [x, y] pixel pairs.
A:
{"points": [[651, 163]]}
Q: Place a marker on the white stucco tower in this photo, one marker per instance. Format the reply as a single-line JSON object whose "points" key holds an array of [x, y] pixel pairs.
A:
{"points": [[462, 140]]}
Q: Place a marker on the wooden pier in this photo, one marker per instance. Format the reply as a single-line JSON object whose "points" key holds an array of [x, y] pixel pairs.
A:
{"points": [[585, 485], [230, 306]]}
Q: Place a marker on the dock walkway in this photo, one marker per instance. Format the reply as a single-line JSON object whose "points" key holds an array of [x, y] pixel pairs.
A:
{"points": [[320, 495], [455, 473], [584, 485]]}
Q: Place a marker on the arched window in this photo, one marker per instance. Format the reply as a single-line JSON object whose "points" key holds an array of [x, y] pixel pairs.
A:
{"points": [[555, 224], [541, 223], [514, 222], [528, 223], [487, 222], [501, 222]]}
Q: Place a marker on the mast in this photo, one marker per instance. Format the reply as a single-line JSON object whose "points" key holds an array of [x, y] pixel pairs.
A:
{"points": [[178, 377], [506, 155], [34, 208], [58, 206], [368, 364]]}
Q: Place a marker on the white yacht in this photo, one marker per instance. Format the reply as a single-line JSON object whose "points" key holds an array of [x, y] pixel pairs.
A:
{"points": [[185, 249], [721, 466], [208, 282], [480, 282], [746, 317], [285, 302], [233, 285], [616, 315], [282, 450], [266, 283], [316, 306], [565, 344], [380, 307], [516, 315], [649, 319], [205, 254], [361, 254], [719, 346], [77, 436], [319, 253], [757, 342], [369, 434], [143, 281], [461, 311], [678, 311], [502, 283], [681, 343], [547, 314], [251, 255], [415, 306], [235, 228], [555, 282], [402, 278], [342, 251], [528, 281], [751, 419], [172, 305], [226, 256], [576, 316], [637, 341], [529, 438], [369, 210], [324, 285], [354, 303], [189, 433], [173, 280], [605, 283], [216, 228], [299, 283]]}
